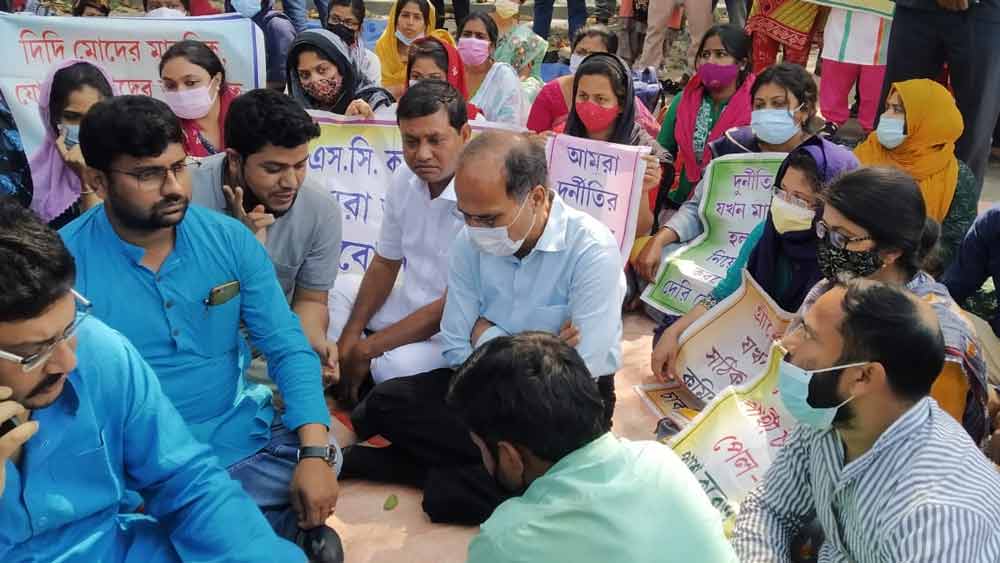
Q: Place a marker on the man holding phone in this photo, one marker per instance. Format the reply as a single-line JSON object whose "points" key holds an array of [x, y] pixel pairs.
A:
{"points": [[179, 282], [82, 417]]}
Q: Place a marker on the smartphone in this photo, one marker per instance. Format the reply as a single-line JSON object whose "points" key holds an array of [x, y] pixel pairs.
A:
{"points": [[9, 424], [223, 293]]}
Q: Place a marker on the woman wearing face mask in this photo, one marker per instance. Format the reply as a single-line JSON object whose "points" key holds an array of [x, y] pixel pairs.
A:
{"points": [[409, 20], [551, 107], [494, 86], [780, 254], [784, 100], [519, 47], [278, 35], [433, 59], [604, 110], [66, 95], [917, 134], [322, 76], [195, 88]]}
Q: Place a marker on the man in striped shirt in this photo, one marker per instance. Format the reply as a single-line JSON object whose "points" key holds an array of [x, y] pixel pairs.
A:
{"points": [[890, 476]]}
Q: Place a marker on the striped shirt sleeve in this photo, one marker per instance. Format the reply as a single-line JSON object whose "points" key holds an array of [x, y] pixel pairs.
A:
{"points": [[944, 533], [778, 507]]}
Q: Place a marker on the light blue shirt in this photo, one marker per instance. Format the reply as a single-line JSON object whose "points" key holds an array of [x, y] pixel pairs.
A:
{"points": [[112, 430], [196, 348], [611, 500], [574, 272]]}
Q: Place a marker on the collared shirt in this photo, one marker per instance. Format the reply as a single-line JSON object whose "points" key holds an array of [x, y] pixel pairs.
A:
{"points": [[195, 348], [611, 500], [573, 273], [419, 230], [304, 243], [113, 430], [923, 493]]}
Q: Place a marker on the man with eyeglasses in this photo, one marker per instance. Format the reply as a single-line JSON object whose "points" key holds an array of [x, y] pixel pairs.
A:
{"points": [[346, 20], [179, 281], [82, 418]]}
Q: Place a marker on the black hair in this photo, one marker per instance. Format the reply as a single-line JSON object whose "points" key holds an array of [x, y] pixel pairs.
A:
{"points": [[427, 97], [735, 41], [597, 30], [429, 48], [81, 5], [196, 53], [423, 5], [488, 23], [886, 324], [186, 3], [803, 162], [888, 204], [71, 79], [524, 165], [794, 79], [264, 116], [357, 9], [532, 390], [604, 67], [137, 126], [37, 270]]}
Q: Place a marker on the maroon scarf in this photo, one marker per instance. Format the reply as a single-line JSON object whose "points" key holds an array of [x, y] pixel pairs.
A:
{"points": [[735, 114]]}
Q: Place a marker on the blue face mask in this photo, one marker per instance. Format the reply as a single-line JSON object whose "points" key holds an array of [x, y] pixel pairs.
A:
{"points": [[793, 385], [774, 126], [406, 40], [247, 8], [72, 134], [890, 132]]}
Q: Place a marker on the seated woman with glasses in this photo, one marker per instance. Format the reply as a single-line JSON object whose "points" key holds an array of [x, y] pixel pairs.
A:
{"points": [[346, 20]]}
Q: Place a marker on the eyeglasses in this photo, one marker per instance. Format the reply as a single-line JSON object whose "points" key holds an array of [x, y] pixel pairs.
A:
{"points": [[154, 178], [792, 199], [836, 239], [32, 362], [353, 25]]}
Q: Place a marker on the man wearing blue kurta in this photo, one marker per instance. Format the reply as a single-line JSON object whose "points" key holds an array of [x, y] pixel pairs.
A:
{"points": [[96, 423], [178, 282]]}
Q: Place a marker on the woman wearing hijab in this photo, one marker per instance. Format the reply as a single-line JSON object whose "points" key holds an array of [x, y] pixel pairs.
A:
{"points": [[604, 110], [66, 95], [519, 47], [917, 134], [322, 76], [433, 59], [409, 20]]}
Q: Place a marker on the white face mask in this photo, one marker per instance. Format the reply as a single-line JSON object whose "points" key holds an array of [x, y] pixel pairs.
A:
{"points": [[165, 12], [574, 62], [496, 240]]}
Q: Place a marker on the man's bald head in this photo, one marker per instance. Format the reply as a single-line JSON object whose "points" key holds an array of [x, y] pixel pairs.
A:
{"points": [[519, 160]]}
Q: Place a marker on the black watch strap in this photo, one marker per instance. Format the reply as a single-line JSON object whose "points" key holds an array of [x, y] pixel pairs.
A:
{"points": [[326, 453]]}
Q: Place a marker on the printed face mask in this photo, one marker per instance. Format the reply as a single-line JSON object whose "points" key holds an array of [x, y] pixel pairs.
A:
{"points": [[326, 90], [838, 263]]}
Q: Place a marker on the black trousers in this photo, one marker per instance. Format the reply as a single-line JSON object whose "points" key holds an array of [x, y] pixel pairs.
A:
{"points": [[431, 447], [460, 7]]}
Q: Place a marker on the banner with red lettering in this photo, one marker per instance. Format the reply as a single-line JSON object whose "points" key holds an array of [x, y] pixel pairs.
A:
{"points": [[129, 48]]}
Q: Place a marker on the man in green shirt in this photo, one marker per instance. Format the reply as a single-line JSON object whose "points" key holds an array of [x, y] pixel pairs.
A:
{"points": [[580, 494]]}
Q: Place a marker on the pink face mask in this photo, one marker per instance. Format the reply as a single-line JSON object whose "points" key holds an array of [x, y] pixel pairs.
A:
{"points": [[193, 103], [473, 51], [717, 77], [594, 117]]}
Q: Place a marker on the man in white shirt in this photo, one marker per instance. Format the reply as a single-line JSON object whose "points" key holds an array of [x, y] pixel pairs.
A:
{"points": [[346, 20], [420, 223]]}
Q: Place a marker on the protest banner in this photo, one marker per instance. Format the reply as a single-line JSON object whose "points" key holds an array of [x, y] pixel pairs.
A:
{"points": [[356, 159], [129, 48], [737, 196], [883, 8], [602, 179]]}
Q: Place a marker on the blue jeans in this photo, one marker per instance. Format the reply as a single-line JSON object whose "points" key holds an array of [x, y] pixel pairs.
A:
{"points": [[296, 11], [543, 17], [267, 475]]}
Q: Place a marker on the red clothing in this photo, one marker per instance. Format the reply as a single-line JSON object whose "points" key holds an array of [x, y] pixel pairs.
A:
{"points": [[194, 145], [456, 73], [549, 112], [202, 8]]}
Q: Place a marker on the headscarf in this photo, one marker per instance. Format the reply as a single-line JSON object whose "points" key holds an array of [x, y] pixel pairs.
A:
{"points": [[623, 132], [455, 72], [521, 47], [80, 5], [798, 246], [735, 114], [56, 185], [194, 141], [393, 68], [354, 85], [933, 124]]}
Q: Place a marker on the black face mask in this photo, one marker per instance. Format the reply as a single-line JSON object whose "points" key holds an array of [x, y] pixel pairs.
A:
{"points": [[837, 262], [347, 34]]}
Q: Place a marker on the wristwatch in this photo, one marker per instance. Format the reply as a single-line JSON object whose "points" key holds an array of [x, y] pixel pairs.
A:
{"points": [[326, 453]]}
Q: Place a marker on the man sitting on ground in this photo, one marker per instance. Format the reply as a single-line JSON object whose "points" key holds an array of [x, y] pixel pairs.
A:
{"points": [[889, 475], [581, 494], [178, 281], [94, 421], [418, 227], [526, 261], [261, 180]]}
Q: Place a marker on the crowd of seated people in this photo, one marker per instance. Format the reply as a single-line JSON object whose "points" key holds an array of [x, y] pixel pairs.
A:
{"points": [[179, 349]]}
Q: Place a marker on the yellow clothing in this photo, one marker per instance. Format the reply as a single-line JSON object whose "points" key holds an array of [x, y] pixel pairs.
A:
{"points": [[933, 124], [393, 67], [950, 390]]}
